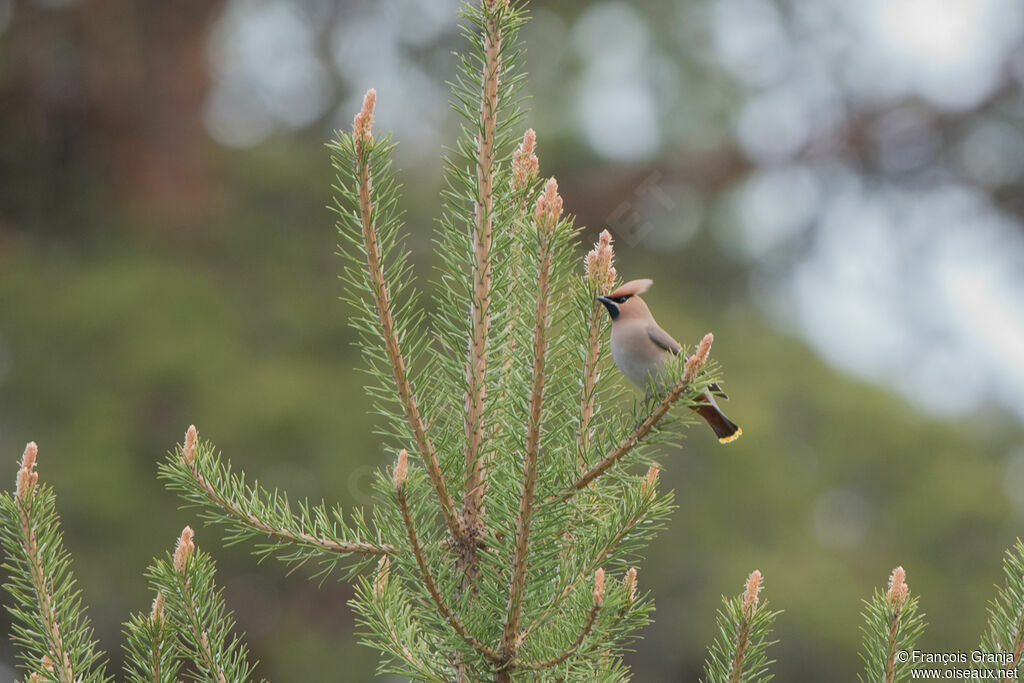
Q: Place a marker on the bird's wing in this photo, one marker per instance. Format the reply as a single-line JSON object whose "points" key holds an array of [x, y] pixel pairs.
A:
{"points": [[717, 391], [663, 339]]}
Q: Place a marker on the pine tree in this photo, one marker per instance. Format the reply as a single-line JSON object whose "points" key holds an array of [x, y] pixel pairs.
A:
{"points": [[512, 497], [504, 540]]}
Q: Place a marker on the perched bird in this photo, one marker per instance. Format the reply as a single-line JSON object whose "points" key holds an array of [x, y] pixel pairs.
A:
{"points": [[640, 349]]}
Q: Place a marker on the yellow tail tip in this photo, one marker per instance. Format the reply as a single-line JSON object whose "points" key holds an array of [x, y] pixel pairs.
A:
{"points": [[731, 437]]}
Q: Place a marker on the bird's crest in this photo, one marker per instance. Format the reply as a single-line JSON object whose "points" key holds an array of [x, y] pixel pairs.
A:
{"points": [[632, 288]]}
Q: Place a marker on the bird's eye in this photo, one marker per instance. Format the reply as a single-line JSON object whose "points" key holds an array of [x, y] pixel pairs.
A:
{"points": [[621, 299]]}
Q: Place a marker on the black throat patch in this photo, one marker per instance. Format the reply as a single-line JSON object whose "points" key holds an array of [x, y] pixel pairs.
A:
{"points": [[613, 308]]}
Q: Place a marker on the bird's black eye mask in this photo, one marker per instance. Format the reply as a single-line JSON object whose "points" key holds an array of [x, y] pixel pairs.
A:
{"points": [[621, 299]]}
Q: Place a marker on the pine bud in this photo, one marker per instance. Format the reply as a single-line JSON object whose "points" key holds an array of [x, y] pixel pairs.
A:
{"points": [[549, 205], [183, 551], [27, 476], [525, 164], [157, 614], [751, 595], [599, 588], [898, 589], [189, 451], [401, 469], [647, 487], [364, 120], [629, 584], [598, 268], [380, 583], [695, 362]]}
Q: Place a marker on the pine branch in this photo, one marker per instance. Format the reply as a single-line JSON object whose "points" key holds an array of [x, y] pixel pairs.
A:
{"points": [[548, 214], [152, 649], [251, 512], [362, 141], [892, 624], [400, 473], [685, 387], [739, 653], [525, 166], [1006, 614], [629, 603], [195, 608], [476, 364], [600, 276], [643, 512], [588, 625], [49, 622], [394, 630]]}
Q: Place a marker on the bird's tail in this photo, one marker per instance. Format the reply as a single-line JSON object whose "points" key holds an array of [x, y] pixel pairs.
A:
{"points": [[726, 430]]}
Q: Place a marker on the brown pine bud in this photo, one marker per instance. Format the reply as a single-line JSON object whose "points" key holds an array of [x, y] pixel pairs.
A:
{"points": [[549, 205], [629, 584], [364, 120], [599, 588], [751, 595], [525, 164], [188, 452], [401, 469], [184, 550], [898, 589], [27, 476]]}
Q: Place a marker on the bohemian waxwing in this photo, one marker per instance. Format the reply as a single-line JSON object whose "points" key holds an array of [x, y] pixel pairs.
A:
{"points": [[640, 349]]}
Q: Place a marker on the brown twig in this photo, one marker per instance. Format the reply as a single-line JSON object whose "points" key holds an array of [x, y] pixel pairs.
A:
{"points": [[691, 369], [890, 668], [625, 446], [741, 650], [362, 139], [549, 209], [428, 578], [476, 362]]}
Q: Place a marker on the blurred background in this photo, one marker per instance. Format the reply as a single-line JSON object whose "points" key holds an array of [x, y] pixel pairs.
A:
{"points": [[834, 188]]}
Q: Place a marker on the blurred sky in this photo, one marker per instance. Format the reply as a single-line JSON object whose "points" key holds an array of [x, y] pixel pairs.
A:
{"points": [[877, 135]]}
